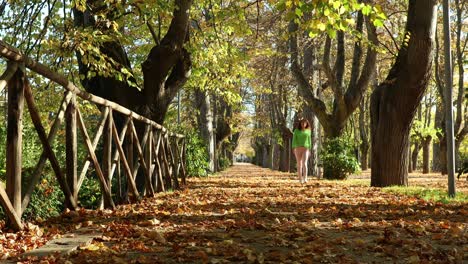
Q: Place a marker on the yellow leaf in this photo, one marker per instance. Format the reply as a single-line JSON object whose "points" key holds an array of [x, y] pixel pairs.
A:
{"points": [[321, 26], [93, 247]]}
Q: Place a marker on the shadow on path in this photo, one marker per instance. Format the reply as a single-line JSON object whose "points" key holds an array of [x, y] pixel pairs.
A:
{"points": [[248, 214]]}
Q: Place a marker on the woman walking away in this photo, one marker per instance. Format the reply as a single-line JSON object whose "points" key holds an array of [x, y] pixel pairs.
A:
{"points": [[301, 146]]}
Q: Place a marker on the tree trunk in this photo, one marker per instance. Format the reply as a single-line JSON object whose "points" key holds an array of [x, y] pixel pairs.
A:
{"points": [[414, 156], [364, 156], [458, 162], [314, 155], [233, 143], [363, 131], [205, 124], [265, 154], [426, 147], [286, 155], [390, 141], [461, 121], [276, 156], [258, 154], [394, 102], [443, 154], [435, 157], [222, 113], [436, 151], [410, 166], [285, 149]]}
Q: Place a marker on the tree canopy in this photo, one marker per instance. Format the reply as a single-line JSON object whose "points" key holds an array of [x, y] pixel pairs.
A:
{"points": [[269, 60]]}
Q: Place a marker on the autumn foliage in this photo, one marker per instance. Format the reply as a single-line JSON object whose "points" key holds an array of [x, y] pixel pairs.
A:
{"points": [[253, 215]]}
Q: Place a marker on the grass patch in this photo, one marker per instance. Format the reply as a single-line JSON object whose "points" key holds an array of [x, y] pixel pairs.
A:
{"points": [[428, 194]]}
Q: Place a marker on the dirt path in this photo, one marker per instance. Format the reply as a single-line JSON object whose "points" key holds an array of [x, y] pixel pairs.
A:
{"points": [[252, 215]]}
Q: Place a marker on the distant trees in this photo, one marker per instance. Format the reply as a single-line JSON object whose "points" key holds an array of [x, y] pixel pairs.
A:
{"points": [[319, 59], [460, 103]]}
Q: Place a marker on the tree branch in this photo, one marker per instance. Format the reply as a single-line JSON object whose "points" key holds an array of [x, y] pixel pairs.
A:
{"points": [[153, 33], [339, 63], [317, 106], [356, 64], [164, 57], [179, 75], [393, 39], [354, 93], [326, 66]]}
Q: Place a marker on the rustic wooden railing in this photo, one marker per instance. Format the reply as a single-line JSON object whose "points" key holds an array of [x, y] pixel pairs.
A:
{"points": [[159, 154]]}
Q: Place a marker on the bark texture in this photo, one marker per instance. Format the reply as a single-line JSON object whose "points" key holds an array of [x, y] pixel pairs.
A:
{"points": [[346, 99], [426, 144], [205, 124], [394, 102], [461, 104], [165, 70], [363, 133]]}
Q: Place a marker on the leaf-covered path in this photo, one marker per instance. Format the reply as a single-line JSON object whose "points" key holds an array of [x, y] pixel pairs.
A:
{"points": [[252, 215]]}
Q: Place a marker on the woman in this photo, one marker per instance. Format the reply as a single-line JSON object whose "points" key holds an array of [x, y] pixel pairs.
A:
{"points": [[301, 146]]}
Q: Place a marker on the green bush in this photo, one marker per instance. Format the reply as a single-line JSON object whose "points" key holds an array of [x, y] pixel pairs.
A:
{"points": [[90, 192], [46, 199], [197, 155], [338, 159], [224, 163]]}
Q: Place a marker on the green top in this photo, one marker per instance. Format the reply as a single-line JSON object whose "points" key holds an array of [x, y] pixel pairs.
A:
{"points": [[302, 138]]}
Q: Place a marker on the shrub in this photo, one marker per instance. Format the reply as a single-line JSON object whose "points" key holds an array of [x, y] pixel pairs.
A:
{"points": [[47, 197], [90, 192], [196, 154], [224, 163], [338, 159]]}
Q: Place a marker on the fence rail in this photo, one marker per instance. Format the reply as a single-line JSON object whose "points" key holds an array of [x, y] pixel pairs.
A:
{"points": [[154, 152]]}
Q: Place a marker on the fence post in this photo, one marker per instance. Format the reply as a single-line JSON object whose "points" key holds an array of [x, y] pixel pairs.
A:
{"points": [[129, 155], [71, 149], [149, 161], [157, 157], [107, 155], [14, 139], [183, 161]]}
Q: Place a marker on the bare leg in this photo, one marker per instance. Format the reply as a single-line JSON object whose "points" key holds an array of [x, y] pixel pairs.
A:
{"points": [[299, 153], [305, 159], [298, 162]]}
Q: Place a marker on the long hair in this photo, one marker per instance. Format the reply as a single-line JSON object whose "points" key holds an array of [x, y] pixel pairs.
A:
{"points": [[302, 120]]}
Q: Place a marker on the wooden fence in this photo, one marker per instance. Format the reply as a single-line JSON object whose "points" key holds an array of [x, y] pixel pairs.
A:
{"points": [[159, 154]]}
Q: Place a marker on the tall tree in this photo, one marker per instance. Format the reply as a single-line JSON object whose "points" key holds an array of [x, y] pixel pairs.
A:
{"points": [[165, 70], [280, 103], [345, 101], [205, 124], [394, 102], [364, 132]]}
